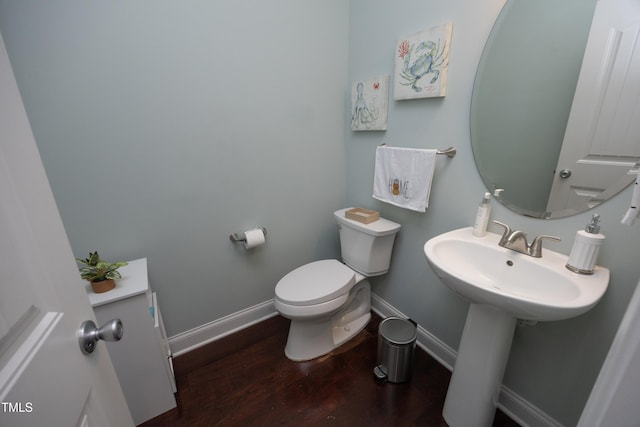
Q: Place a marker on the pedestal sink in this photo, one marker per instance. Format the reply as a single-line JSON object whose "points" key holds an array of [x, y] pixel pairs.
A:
{"points": [[502, 286]]}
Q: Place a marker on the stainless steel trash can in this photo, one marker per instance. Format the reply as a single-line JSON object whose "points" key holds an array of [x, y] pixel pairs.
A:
{"points": [[396, 346]]}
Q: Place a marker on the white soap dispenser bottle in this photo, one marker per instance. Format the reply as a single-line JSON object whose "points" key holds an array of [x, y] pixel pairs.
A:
{"points": [[586, 246], [482, 216]]}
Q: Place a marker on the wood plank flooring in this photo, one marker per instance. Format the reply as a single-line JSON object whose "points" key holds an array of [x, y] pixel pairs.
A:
{"points": [[246, 380]]}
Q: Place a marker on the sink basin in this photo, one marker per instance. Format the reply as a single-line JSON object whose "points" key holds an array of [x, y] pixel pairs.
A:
{"points": [[528, 288]]}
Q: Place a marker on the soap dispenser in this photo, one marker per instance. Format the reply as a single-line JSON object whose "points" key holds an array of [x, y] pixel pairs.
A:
{"points": [[586, 246], [482, 216]]}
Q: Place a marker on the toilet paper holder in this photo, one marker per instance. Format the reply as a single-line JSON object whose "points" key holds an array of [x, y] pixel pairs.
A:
{"points": [[234, 237]]}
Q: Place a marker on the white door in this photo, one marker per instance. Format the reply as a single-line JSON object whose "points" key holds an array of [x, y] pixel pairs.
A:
{"points": [[614, 398], [45, 380], [602, 140]]}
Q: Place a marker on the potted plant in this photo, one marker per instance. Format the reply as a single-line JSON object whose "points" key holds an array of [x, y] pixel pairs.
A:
{"points": [[100, 273]]}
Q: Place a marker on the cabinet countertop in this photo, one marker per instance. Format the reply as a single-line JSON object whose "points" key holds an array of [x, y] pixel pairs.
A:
{"points": [[134, 281]]}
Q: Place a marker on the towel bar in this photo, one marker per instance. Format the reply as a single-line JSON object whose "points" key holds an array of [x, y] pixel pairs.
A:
{"points": [[449, 152]]}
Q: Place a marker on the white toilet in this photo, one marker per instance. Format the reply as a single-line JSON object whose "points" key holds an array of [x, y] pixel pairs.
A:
{"points": [[329, 302]]}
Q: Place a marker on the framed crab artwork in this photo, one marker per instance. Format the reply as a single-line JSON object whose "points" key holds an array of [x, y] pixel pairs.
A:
{"points": [[421, 63]]}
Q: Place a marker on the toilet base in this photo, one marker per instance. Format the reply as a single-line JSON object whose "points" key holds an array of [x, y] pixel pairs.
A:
{"points": [[315, 337]]}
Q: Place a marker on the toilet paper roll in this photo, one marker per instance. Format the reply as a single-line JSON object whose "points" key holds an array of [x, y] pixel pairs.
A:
{"points": [[253, 238]]}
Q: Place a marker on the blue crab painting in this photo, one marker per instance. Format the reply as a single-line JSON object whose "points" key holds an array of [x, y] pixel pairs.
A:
{"points": [[421, 63], [422, 59]]}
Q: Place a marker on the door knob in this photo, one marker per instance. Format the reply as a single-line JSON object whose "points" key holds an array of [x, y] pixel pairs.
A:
{"points": [[565, 173], [89, 334]]}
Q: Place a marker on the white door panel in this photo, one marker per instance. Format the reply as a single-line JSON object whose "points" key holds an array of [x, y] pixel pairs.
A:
{"points": [[45, 380]]}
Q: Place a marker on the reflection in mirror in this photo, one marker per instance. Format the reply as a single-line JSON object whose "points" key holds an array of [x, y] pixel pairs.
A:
{"points": [[521, 104]]}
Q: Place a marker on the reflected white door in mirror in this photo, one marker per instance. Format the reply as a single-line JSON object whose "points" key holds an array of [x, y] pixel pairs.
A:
{"points": [[602, 141]]}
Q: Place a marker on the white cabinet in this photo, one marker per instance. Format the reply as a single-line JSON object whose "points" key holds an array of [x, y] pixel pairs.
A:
{"points": [[142, 359]]}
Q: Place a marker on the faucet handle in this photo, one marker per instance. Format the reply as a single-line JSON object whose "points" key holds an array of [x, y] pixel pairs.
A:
{"points": [[535, 250], [505, 234]]}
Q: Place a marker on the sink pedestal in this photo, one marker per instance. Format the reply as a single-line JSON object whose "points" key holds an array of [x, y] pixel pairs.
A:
{"points": [[477, 375]]}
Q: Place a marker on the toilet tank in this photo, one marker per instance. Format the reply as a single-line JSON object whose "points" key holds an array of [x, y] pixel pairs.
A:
{"points": [[366, 247]]}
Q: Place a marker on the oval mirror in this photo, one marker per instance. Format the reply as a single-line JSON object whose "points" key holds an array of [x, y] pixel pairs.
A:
{"points": [[523, 107]]}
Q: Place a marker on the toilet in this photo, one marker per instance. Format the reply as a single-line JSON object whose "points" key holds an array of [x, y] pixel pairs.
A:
{"points": [[328, 301]]}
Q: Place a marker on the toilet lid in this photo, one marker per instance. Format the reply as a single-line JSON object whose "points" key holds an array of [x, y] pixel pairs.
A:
{"points": [[315, 283]]}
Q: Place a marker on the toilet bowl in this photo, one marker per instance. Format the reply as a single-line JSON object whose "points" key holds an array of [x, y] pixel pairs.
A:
{"points": [[328, 301]]}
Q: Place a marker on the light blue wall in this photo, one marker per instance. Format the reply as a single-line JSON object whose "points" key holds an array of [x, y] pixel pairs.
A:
{"points": [[164, 126], [553, 365]]}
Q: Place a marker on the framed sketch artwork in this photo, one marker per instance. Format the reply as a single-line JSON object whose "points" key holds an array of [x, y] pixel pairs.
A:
{"points": [[421, 62], [370, 103]]}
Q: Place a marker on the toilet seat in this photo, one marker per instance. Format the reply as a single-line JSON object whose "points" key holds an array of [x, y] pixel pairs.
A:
{"points": [[315, 283]]}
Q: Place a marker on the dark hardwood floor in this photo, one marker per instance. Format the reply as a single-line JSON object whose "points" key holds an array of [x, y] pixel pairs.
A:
{"points": [[246, 380]]}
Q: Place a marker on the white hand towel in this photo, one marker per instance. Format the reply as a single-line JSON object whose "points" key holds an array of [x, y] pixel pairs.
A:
{"points": [[634, 210], [403, 176]]}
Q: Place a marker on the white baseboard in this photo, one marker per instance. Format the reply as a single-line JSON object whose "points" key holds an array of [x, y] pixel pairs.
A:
{"points": [[523, 411], [212, 331], [510, 403]]}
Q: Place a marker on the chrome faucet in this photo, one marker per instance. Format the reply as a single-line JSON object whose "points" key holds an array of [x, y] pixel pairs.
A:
{"points": [[516, 240]]}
